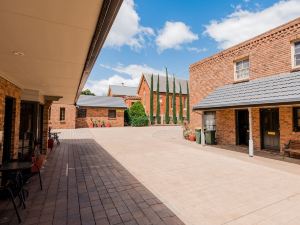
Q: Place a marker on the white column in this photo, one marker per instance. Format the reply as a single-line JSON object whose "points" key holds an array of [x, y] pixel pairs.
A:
{"points": [[250, 134], [202, 130]]}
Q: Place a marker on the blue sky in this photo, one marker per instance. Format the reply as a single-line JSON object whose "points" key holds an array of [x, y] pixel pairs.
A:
{"points": [[150, 34]]}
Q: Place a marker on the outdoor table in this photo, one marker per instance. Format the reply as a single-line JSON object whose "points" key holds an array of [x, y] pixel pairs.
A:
{"points": [[15, 166], [55, 136]]}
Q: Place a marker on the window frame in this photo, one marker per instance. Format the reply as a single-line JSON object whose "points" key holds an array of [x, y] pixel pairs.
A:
{"points": [[62, 114], [296, 119], [115, 113], [294, 54], [79, 115], [235, 69]]}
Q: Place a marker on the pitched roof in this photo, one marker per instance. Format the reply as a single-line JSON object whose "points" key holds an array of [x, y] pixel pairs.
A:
{"points": [[101, 101], [123, 90], [283, 88], [162, 83]]}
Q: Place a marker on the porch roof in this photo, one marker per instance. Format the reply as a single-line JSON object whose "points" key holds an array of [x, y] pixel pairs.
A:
{"points": [[277, 89], [101, 101]]}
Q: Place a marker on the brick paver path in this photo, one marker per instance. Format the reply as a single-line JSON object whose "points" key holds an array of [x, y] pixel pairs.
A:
{"points": [[83, 184]]}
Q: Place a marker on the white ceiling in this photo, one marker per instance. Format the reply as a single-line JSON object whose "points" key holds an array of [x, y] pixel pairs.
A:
{"points": [[54, 35]]}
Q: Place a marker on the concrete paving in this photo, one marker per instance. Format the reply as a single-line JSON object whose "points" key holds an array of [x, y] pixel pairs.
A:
{"points": [[203, 185]]}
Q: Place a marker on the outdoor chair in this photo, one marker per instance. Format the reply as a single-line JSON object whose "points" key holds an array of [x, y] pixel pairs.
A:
{"points": [[12, 189]]}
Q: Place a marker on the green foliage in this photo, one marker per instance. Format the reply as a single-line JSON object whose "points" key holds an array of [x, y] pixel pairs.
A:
{"points": [[151, 101], [87, 92], [137, 115], [167, 116], [158, 118], [137, 110], [180, 105], [127, 120], [140, 121], [187, 102], [174, 102]]}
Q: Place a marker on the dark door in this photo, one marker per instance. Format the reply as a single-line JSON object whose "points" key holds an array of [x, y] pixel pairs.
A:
{"points": [[242, 127], [8, 128], [270, 128]]}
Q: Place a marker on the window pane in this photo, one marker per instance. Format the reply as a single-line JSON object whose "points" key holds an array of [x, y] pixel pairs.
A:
{"points": [[297, 45], [297, 60], [242, 69], [298, 113], [112, 114]]}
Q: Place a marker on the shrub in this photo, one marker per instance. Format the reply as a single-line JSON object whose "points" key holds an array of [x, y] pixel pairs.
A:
{"points": [[137, 115], [137, 110], [140, 121]]}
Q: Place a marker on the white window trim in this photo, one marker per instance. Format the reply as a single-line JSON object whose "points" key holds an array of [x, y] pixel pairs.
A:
{"points": [[293, 54], [235, 75]]}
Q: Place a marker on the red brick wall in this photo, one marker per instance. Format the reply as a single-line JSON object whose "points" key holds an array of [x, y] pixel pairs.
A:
{"points": [[225, 127], [286, 125], [11, 90], [268, 54], [100, 114], [70, 114]]}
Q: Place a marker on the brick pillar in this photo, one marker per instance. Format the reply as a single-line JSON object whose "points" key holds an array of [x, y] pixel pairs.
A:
{"points": [[45, 126]]}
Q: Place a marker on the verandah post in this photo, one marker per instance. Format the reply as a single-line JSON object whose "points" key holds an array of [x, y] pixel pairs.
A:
{"points": [[251, 150]]}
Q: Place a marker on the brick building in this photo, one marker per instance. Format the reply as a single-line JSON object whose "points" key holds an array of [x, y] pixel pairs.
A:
{"points": [[94, 111], [129, 94], [62, 116], [250, 93], [144, 93], [42, 62]]}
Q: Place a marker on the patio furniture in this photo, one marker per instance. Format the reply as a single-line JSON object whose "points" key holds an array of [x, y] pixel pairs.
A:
{"points": [[12, 189], [292, 147], [55, 136]]}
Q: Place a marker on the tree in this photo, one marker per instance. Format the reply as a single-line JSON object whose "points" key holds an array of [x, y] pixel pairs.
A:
{"points": [[167, 117], [174, 102], [180, 105], [187, 102], [151, 101], [158, 119], [137, 115], [87, 92]]}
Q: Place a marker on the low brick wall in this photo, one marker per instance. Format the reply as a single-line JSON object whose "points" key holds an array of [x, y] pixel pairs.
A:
{"points": [[100, 115]]}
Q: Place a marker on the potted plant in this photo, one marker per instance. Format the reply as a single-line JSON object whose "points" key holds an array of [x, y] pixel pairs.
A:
{"points": [[186, 133], [108, 124], [102, 123]]}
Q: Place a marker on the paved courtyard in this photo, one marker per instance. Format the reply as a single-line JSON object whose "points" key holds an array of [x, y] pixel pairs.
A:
{"points": [[203, 185]]}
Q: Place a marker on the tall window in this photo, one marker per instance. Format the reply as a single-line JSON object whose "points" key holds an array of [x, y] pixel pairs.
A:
{"points": [[242, 69], [81, 113], [112, 114], [296, 112], [62, 114], [296, 54]]}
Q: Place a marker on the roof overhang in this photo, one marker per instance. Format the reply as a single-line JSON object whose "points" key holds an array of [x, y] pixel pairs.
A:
{"points": [[50, 46], [283, 89]]}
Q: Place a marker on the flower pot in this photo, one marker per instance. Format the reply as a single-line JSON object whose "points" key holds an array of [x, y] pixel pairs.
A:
{"points": [[108, 125], [192, 137], [50, 143]]}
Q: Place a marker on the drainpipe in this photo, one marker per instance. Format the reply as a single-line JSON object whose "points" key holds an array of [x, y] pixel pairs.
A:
{"points": [[202, 130], [250, 134]]}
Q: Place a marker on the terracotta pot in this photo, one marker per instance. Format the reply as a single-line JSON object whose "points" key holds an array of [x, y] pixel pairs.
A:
{"points": [[50, 143], [108, 125], [192, 137]]}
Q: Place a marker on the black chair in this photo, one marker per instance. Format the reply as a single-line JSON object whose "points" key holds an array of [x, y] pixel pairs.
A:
{"points": [[12, 189]]}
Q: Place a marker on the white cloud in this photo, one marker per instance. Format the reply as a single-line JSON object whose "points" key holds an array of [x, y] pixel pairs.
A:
{"points": [[243, 24], [174, 35], [197, 50], [127, 30], [100, 87], [134, 71]]}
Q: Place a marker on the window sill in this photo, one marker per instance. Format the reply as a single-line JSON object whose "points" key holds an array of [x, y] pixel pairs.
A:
{"points": [[295, 69], [62, 121], [241, 81], [112, 118]]}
